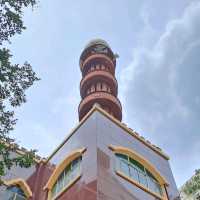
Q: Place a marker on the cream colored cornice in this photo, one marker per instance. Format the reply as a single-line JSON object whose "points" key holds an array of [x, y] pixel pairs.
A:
{"points": [[118, 123]]}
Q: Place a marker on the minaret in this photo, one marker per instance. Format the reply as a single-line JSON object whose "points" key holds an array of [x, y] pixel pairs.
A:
{"points": [[98, 84]]}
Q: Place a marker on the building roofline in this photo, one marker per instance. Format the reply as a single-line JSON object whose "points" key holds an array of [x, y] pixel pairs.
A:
{"points": [[117, 122], [21, 150]]}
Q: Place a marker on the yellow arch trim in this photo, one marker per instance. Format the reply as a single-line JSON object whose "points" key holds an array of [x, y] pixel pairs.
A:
{"points": [[22, 184], [59, 169], [131, 153]]}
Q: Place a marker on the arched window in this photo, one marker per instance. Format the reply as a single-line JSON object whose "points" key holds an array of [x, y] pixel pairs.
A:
{"points": [[65, 174], [68, 175], [15, 193], [137, 170], [92, 68], [138, 173], [17, 189], [102, 67], [97, 67], [104, 88], [92, 88], [98, 86]]}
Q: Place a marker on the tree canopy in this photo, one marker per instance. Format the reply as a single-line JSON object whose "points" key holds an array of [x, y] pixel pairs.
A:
{"points": [[193, 185], [15, 79]]}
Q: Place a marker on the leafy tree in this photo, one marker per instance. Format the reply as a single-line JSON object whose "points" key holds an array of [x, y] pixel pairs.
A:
{"points": [[14, 81], [193, 185]]}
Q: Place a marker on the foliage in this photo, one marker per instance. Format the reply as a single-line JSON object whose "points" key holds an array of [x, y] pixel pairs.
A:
{"points": [[193, 185], [14, 81], [11, 12]]}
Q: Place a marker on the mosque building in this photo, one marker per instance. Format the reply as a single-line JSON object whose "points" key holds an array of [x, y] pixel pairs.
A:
{"points": [[101, 158]]}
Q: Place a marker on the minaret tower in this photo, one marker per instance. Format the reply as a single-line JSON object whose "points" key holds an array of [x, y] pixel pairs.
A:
{"points": [[98, 84]]}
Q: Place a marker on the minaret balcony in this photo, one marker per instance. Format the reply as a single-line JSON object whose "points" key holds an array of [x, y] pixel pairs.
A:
{"points": [[98, 58], [95, 77], [104, 99]]}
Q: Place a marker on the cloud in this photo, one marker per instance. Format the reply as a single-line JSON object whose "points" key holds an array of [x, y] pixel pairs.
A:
{"points": [[161, 91]]}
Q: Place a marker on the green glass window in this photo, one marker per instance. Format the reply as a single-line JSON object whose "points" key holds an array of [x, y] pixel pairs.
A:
{"points": [[136, 171], [70, 173]]}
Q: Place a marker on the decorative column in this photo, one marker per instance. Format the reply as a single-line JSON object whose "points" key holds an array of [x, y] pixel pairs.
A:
{"points": [[98, 84]]}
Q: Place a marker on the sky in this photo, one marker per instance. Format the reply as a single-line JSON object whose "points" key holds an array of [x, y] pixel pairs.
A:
{"points": [[158, 71]]}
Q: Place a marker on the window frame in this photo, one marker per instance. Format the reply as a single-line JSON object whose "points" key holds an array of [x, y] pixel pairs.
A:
{"points": [[143, 176], [21, 184], [60, 169], [63, 175], [131, 154]]}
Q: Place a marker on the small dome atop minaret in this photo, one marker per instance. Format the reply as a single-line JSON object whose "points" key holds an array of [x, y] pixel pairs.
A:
{"points": [[97, 41], [98, 84]]}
